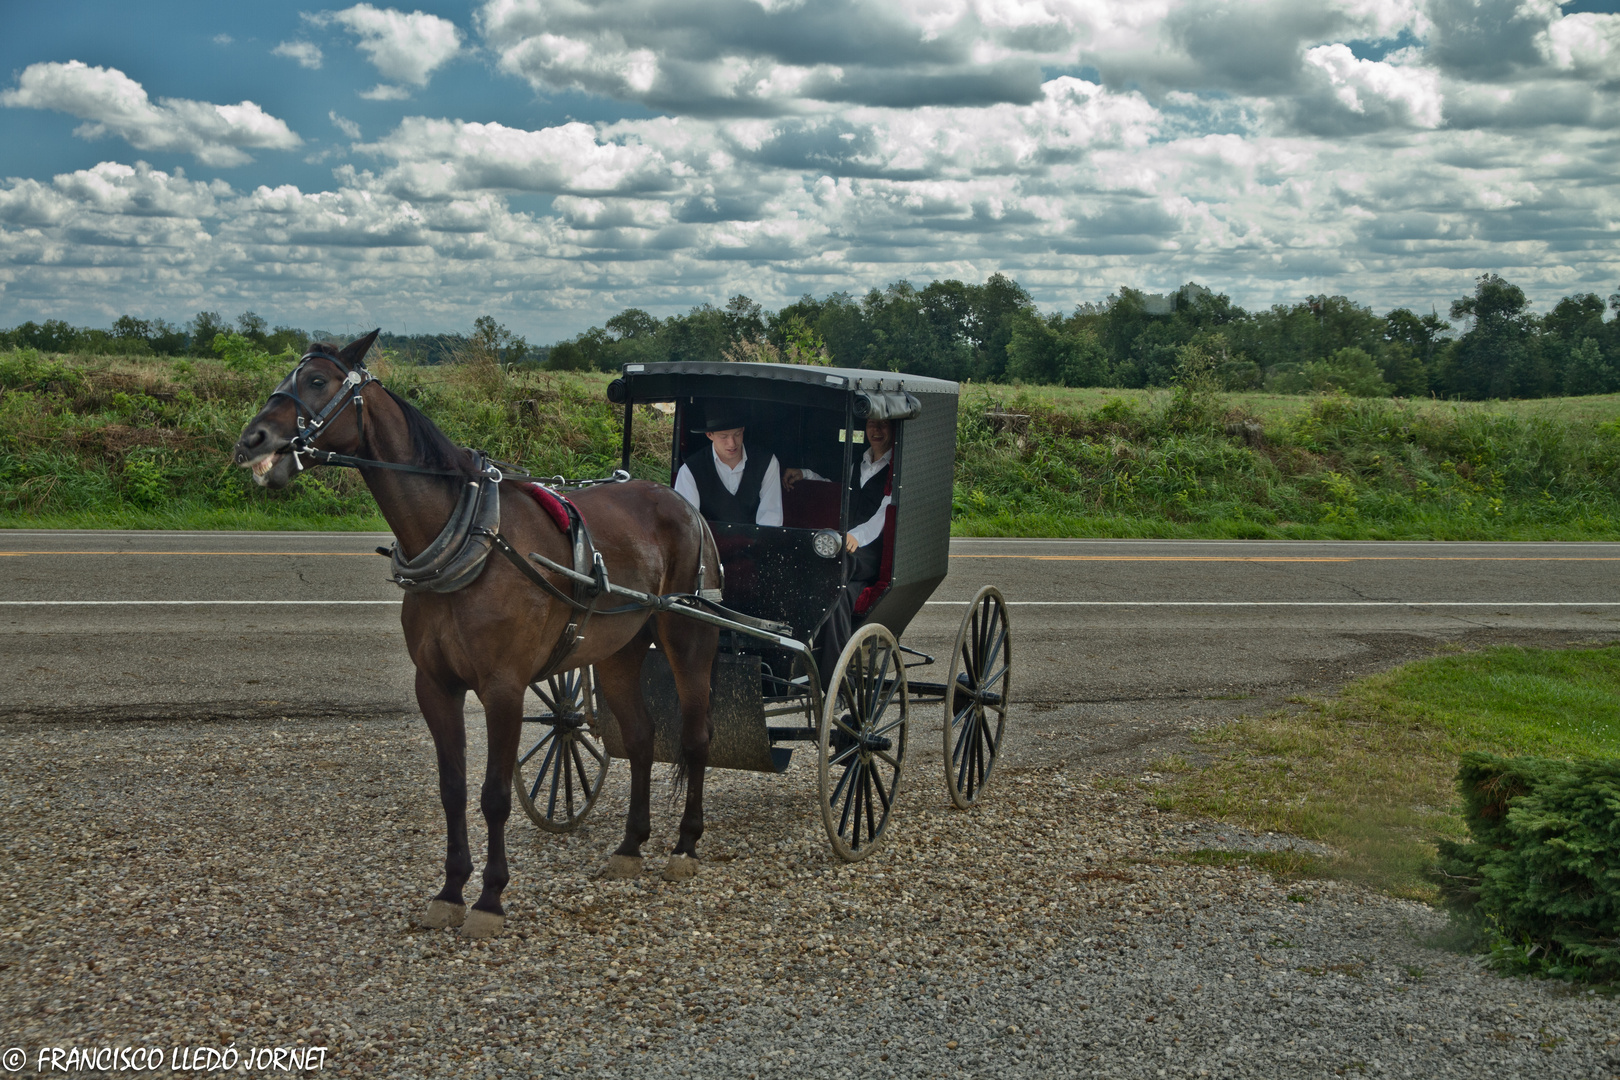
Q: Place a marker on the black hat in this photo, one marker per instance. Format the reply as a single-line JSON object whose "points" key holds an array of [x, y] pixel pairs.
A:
{"points": [[723, 416]]}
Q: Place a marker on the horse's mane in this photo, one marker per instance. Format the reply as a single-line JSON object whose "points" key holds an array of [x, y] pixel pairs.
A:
{"points": [[433, 447]]}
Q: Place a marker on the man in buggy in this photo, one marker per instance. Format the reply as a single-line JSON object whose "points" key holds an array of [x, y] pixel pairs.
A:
{"points": [[869, 497]]}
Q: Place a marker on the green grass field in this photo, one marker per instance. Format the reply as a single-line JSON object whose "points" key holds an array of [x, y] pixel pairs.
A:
{"points": [[128, 442], [1372, 773]]}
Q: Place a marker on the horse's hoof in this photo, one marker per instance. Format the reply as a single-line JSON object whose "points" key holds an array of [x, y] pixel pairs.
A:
{"points": [[481, 925], [442, 913], [680, 868], [622, 868]]}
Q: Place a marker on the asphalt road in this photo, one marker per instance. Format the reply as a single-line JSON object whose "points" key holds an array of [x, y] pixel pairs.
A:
{"points": [[1117, 643]]}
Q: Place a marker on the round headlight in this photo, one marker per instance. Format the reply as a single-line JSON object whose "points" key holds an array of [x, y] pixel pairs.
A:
{"points": [[827, 544]]}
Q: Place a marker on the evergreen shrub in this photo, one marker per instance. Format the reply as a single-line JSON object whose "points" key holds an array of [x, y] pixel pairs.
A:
{"points": [[1540, 879]]}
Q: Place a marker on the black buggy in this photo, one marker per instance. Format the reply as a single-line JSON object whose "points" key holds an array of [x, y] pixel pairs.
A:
{"points": [[779, 588]]}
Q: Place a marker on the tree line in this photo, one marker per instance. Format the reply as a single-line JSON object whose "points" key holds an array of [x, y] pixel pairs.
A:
{"points": [[209, 334], [1490, 345]]}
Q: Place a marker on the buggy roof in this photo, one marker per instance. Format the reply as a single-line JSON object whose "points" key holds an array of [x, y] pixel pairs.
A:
{"points": [[884, 392]]}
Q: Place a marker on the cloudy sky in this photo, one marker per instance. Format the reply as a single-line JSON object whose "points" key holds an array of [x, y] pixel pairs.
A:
{"points": [[553, 161]]}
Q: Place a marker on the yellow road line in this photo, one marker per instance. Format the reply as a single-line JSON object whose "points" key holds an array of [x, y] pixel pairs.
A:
{"points": [[1301, 558], [371, 553]]}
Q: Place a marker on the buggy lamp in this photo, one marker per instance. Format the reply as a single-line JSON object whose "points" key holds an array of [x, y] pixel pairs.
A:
{"points": [[827, 544]]}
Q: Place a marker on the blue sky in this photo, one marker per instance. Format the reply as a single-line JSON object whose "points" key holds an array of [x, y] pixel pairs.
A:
{"points": [[550, 162]]}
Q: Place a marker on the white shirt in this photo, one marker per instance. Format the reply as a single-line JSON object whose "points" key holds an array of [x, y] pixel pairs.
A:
{"points": [[872, 528], [770, 488]]}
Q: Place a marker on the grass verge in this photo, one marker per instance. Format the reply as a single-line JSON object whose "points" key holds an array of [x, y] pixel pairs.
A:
{"points": [[1372, 773], [144, 443]]}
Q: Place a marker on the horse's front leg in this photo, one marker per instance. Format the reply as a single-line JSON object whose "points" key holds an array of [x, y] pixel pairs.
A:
{"points": [[503, 712], [442, 708]]}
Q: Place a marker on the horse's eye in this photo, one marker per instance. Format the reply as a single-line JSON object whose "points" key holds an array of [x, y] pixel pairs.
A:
{"points": [[317, 382]]}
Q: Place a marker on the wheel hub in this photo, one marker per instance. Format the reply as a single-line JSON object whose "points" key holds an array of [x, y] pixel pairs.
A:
{"points": [[873, 744]]}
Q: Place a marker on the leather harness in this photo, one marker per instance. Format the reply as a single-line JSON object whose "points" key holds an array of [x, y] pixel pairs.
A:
{"points": [[457, 556]]}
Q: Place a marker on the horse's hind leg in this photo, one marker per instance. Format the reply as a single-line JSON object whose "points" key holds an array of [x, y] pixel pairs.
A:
{"points": [[690, 647], [443, 711], [503, 711], [618, 678]]}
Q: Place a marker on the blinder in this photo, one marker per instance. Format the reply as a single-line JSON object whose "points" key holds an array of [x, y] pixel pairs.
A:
{"points": [[309, 430]]}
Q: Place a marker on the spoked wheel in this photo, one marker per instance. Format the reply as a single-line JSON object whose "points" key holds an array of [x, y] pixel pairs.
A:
{"points": [[863, 742], [976, 697], [558, 778]]}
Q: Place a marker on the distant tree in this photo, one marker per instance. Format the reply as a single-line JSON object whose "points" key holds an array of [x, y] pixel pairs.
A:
{"points": [[1412, 344], [252, 327], [1497, 356], [490, 339], [1352, 371], [841, 322], [286, 339], [744, 319], [901, 336], [205, 326], [949, 306], [994, 307], [702, 334], [1405, 373], [1565, 329], [632, 324], [131, 335], [1051, 349], [1587, 372], [801, 344], [52, 335]]}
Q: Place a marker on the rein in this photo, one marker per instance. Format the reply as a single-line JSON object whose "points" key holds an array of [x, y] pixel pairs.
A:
{"points": [[303, 444], [457, 556]]}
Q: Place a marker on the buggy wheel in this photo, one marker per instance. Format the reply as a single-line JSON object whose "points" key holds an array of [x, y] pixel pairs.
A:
{"points": [[862, 742], [558, 778], [976, 697]]}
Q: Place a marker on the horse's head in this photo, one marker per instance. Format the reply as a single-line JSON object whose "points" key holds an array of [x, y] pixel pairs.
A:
{"points": [[312, 404]]}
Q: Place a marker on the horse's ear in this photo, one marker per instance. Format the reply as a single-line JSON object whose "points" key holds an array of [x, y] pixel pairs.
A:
{"points": [[354, 353]]}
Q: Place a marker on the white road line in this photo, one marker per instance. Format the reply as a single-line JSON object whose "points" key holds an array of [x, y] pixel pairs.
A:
{"points": [[182, 603], [930, 603], [1294, 603]]}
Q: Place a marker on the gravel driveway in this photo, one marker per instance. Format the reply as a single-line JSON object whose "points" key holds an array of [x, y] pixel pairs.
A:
{"points": [[211, 884]]}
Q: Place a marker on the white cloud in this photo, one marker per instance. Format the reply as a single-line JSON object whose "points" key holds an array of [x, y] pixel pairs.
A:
{"points": [[306, 53], [343, 124], [439, 158], [114, 104], [385, 92], [808, 147], [1372, 93], [1587, 42], [404, 48], [223, 40]]}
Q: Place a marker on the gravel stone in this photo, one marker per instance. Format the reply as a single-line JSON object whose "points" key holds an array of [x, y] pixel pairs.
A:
{"points": [[210, 884]]}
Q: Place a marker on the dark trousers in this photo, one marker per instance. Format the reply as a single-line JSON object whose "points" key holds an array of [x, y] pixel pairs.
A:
{"points": [[840, 627]]}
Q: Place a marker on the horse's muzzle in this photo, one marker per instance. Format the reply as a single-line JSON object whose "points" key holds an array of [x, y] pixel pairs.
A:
{"points": [[265, 455]]}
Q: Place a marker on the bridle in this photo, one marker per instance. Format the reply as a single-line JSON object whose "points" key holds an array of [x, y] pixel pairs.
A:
{"points": [[311, 422]]}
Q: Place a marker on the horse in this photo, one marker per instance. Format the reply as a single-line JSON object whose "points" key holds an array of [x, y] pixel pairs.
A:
{"points": [[501, 632]]}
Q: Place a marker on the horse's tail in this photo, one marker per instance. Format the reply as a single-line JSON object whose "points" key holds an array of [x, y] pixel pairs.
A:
{"points": [[677, 781]]}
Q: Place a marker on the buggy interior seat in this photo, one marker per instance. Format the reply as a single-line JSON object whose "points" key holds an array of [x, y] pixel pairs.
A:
{"points": [[812, 504]]}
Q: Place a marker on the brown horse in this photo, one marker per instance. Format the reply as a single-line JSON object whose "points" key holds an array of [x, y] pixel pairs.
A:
{"points": [[495, 636]]}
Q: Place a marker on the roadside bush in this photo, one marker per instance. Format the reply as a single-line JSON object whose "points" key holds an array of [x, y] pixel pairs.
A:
{"points": [[23, 369], [1540, 881]]}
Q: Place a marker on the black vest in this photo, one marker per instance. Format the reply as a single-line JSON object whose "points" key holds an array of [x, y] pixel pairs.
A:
{"points": [[864, 499], [717, 503]]}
